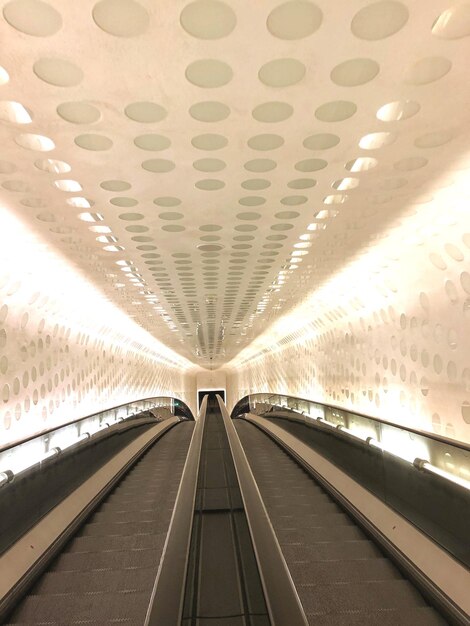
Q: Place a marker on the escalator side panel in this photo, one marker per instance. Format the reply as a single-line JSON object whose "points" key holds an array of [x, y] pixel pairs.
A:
{"points": [[107, 570], [340, 574]]}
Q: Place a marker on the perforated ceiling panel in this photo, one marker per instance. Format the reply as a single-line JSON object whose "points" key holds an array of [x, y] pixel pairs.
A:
{"points": [[208, 164]]}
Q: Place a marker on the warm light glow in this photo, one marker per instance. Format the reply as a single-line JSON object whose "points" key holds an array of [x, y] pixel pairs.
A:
{"points": [[14, 112], [69, 185]]}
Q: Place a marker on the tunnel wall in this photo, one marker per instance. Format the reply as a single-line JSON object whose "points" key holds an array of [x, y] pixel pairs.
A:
{"points": [[388, 336], [66, 350]]}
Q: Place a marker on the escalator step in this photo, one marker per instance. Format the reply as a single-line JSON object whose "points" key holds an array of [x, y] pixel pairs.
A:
{"points": [[314, 534], [112, 559], [333, 551], [422, 616], [111, 581], [102, 529], [69, 608], [306, 572], [114, 542]]}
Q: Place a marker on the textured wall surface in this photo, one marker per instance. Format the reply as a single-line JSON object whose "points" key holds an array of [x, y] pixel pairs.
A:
{"points": [[389, 334], [65, 350]]}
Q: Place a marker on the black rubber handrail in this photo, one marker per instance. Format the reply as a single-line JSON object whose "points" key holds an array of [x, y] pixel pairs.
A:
{"points": [[167, 599], [280, 594]]}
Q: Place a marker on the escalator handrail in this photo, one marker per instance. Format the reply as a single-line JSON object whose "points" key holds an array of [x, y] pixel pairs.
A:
{"points": [[167, 599], [281, 596]]}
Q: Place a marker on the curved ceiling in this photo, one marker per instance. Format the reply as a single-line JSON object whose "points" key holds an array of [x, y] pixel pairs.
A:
{"points": [[207, 165]]}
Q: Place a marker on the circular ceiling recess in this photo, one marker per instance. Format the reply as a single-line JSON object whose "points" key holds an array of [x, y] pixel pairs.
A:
{"points": [[427, 70], [78, 112], [209, 111], [433, 140], [210, 184], [58, 72], [379, 20], [374, 141], [302, 183], [208, 19], [336, 111], [209, 73], [310, 165], [255, 184], [123, 201], [354, 72], [53, 166], [167, 201], [209, 142], [209, 165], [272, 112], [410, 163], [171, 215], [32, 17], [454, 23], [282, 72], [115, 185], [398, 110], [321, 141], [121, 18], [265, 142], [294, 20], [35, 142], [152, 142], [158, 166], [93, 142], [145, 112], [260, 165]]}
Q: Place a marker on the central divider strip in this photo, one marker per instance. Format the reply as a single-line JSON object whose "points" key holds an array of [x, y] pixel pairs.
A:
{"points": [[281, 596], [166, 602]]}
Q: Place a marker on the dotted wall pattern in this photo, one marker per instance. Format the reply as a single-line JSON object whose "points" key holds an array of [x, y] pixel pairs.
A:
{"points": [[199, 158], [65, 350], [389, 336]]}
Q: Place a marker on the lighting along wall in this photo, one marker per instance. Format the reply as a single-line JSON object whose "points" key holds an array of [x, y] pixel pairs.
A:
{"points": [[388, 335], [65, 350]]}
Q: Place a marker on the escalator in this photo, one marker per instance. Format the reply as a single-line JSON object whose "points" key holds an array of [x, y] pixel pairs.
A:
{"points": [[341, 576], [106, 572], [181, 541]]}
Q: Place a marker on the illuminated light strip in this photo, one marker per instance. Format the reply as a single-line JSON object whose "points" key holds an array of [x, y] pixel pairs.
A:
{"points": [[426, 466]]}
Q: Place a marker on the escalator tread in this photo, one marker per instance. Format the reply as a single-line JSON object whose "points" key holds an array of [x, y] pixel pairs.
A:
{"points": [[106, 572], [341, 576]]}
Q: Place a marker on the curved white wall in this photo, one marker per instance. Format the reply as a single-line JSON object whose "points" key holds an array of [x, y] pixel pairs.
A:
{"points": [[389, 334], [65, 350]]}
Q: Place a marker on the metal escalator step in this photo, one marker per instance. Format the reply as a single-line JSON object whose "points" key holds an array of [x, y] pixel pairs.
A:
{"points": [[110, 581], [332, 551], [112, 559], [279, 507], [101, 529], [296, 499], [70, 608], [359, 596], [310, 521], [314, 534], [308, 572], [422, 616], [127, 516], [115, 542]]}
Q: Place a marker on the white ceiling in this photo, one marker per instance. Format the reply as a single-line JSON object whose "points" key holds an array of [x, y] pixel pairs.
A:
{"points": [[224, 145]]}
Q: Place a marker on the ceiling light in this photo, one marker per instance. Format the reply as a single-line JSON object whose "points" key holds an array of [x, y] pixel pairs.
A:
{"points": [[14, 112], [90, 217], [106, 239], [100, 229], [79, 202], [70, 186]]}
